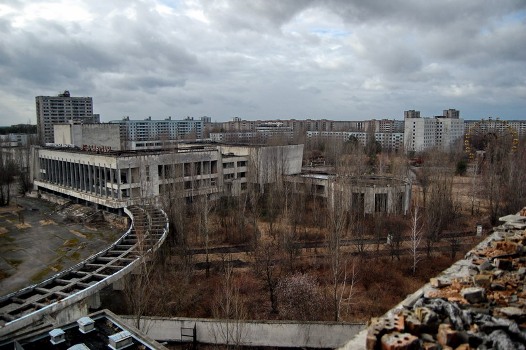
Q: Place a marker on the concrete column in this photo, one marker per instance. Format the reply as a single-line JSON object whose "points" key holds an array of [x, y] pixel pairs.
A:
{"points": [[45, 163], [129, 181], [81, 176], [118, 176], [111, 172], [69, 173], [89, 178], [63, 178], [51, 171], [77, 175], [105, 178], [85, 177], [59, 172]]}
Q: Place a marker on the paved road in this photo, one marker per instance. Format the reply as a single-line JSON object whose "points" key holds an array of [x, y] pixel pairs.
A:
{"points": [[40, 242]]}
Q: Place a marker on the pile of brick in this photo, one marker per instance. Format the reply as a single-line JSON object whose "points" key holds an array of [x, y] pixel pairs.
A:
{"points": [[479, 303]]}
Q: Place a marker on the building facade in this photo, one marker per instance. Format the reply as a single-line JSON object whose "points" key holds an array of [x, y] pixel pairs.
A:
{"points": [[425, 133], [158, 130], [116, 179], [393, 141], [63, 108]]}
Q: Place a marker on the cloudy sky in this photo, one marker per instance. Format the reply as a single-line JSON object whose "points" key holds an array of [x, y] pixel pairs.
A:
{"points": [[336, 59]]}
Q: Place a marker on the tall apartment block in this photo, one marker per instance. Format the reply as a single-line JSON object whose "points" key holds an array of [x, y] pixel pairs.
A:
{"points": [[62, 109], [424, 133]]}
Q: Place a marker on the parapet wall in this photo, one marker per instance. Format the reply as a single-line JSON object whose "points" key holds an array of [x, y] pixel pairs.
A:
{"points": [[248, 333]]}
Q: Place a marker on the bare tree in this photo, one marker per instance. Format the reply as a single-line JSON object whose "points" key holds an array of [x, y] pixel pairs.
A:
{"points": [[338, 221], [415, 238], [441, 208], [204, 208], [230, 307], [267, 266]]}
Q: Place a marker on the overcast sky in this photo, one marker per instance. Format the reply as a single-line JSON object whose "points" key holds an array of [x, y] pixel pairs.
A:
{"points": [[335, 59]]}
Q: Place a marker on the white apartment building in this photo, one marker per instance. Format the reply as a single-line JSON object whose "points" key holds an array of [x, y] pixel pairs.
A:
{"points": [[388, 140], [424, 133], [63, 108], [157, 130], [498, 125]]}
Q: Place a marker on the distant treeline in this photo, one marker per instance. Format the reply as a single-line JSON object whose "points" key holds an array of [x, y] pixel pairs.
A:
{"points": [[18, 129]]}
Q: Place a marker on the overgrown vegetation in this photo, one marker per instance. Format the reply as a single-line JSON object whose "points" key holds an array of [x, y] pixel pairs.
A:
{"points": [[276, 253]]}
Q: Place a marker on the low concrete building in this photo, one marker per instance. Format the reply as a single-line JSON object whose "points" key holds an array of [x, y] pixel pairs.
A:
{"points": [[360, 194]]}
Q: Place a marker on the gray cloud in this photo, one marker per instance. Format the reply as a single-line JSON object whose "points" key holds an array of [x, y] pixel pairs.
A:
{"points": [[266, 59]]}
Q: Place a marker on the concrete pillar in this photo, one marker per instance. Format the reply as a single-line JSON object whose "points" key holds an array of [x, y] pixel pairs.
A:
{"points": [[81, 176], [129, 179], [57, 168], [118, 176], [111, 172], [77, 175], [119, 284], [84, 178], [105, 181], [71, 174], [62, 173], [93, 301], [52, 165], [45, 163], [101, 180], [90, 179]]}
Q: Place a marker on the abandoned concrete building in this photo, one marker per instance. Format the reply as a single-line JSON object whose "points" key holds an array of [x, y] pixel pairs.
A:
{"points": [[116, 179], [360, 194]]}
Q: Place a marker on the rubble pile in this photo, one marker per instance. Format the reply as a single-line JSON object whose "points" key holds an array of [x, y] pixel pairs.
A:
{"points": [[479, 303]]}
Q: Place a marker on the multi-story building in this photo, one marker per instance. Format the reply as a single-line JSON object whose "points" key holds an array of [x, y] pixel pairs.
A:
{"points": [[262, 134], [424, 133], [393, 141], [160, 130], [116, 179], [298, 126], [63, 108], [517, 127], [16, 140]]}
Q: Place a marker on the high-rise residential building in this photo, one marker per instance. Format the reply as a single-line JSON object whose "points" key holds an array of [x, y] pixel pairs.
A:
{"points": [[424, 133], [62, 109]]}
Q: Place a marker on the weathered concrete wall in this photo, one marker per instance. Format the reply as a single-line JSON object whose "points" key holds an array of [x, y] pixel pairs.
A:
{"points": [[62, 134], [249, 333], [101, 135]]}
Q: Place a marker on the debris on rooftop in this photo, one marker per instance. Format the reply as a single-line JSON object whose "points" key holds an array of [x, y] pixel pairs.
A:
{"points": [[478, 303]]}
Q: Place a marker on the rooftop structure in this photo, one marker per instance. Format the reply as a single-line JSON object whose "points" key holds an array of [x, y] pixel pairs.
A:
{"points": [[99, 330]]}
